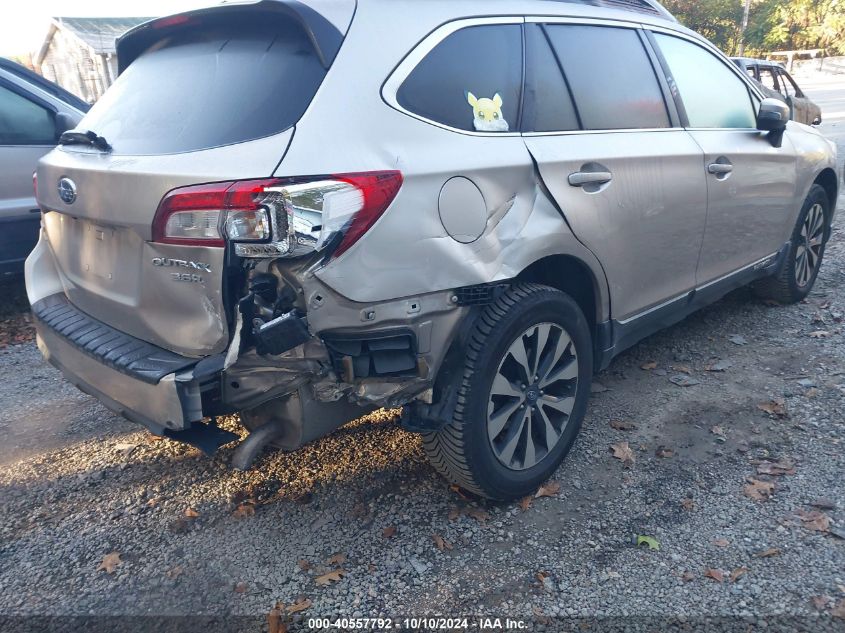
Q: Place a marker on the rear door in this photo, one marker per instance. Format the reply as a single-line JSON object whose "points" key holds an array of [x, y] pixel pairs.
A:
{"points": [[608, 147], [27, 132], [751, 184], [210, 97]]}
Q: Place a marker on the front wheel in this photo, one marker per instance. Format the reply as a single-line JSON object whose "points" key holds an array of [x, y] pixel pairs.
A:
{"points": [[522, 397], [798, 273]]}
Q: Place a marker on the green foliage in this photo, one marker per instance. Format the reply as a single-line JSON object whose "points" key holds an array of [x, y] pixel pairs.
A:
{"points": [[772, 25]]}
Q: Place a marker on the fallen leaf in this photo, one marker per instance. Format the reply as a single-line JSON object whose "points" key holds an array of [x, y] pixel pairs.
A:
{"points": [[774, 408], [477, 513], [738, 573], [190, 513], [304, 565], [820, 334], [768, 553], [821, 602], [389, 532], [240, 587], [650, 541], [244, 510], [688, 504], [337, 559], [622, 451], [716, 574], [682, 369], [718, 430], [839, 610], [454, 513], [623, 425], [759, 490], [459, 491], [776, 469], [812, 392], [275, 623], [441, 543], [721, 542], [525, 503], [174, 572], [549, 490], [664, 452], [336, 575], [301, 604], [688, 576], [110, 562], [814, 520], [650, 366]]}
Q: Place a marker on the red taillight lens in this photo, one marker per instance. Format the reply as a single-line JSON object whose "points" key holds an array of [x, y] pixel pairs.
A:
{"points": [[279, 217]]}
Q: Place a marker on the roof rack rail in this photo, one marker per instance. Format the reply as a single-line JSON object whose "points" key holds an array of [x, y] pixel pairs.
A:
{"points": [[650, 7]]}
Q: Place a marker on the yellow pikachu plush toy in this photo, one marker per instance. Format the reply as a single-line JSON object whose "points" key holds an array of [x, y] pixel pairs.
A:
{"points": [[488, 114]]}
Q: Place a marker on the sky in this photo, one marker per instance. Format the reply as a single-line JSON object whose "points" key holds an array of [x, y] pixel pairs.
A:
{"points": [[24, 24]]}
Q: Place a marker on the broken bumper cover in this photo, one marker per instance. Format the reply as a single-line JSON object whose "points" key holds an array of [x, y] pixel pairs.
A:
{"points": [[139, 381]]}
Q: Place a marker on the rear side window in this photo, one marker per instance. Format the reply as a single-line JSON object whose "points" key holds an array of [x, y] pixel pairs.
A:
{"points": [[611, 76], [470, 81], [24, 122], [713, 96], [208, 86], [548, 104]]}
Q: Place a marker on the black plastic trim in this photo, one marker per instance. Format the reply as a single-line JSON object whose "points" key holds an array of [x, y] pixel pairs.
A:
{"points": [[131, 356]]}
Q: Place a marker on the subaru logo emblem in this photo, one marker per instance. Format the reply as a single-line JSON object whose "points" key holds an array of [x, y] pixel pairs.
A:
{"points": [[67, 190]]}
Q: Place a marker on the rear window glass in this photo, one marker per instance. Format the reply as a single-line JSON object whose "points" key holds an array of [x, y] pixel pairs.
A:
{"points": [[611, 77], [210, 86], [471, 81]]}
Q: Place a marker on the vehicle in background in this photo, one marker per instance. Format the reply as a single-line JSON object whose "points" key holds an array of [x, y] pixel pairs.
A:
{"points": [[776, 82], [33, 114]]}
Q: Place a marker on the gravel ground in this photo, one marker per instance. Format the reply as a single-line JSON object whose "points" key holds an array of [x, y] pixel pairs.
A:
{"points": [[196, 538]]}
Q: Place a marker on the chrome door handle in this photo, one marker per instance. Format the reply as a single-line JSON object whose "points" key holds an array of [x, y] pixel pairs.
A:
{"points": [[581, 178], [720, 169]]}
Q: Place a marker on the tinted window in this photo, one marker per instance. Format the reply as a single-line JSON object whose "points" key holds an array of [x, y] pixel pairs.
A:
{"points": [[470, 81], [768, 79], [24, 122], [209, 86], [548, 104], [611, 77], [788, 86], [714, 97]]}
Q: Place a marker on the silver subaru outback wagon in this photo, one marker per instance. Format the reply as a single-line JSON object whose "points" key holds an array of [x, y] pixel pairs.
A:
{"points": [[300, 211]]}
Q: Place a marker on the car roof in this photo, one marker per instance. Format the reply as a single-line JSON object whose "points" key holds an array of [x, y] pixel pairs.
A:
{"points": [[765, 63]]}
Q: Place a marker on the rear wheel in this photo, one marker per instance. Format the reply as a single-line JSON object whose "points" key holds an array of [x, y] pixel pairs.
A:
{"points": [[522, 398], [798, 273]]}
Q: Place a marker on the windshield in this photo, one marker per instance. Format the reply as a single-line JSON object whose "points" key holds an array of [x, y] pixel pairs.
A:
{"points": [[210, 86]]}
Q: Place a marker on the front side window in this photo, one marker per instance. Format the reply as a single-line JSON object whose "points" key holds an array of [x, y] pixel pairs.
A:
{"points": [[611, 77], [471, 81], [713, 96], [24, 122]]}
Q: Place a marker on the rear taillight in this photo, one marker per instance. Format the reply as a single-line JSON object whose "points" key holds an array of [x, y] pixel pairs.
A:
{"points": [[277, 217]]}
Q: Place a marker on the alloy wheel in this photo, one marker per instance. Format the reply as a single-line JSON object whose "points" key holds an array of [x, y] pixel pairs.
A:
{"points": [[532, 396], [811, 243]]}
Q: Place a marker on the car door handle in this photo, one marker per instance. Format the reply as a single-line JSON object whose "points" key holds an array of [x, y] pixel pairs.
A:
{"points": [[720, 169], [581, 178]]}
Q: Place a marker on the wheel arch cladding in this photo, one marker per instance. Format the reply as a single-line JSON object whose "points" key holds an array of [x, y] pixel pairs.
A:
{"points": [[828, 180]]}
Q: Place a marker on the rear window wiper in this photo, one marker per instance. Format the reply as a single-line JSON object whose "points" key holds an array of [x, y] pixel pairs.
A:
{"points": [[85, 137]]}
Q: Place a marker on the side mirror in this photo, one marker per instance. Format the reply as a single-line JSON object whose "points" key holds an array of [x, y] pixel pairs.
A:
{"points": [[773, 116], [64, 122]]}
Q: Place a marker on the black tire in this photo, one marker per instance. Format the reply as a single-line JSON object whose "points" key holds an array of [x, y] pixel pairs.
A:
{"points": [[783, 286], [463, 452]]}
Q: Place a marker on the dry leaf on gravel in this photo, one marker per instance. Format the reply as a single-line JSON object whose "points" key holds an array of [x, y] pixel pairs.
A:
{"points": [[240, 587], [110, 562], [776, 469], [716, 574], [768, 553], [839, 610], [721, 542], [820, 334], [622, 451], [664, 453], [821, 602], [174, 572], [649, 366], [244, 510], [774, 408], [336, 575], [477, 513], [441, 543], [688, 576], [190, 513], [623, 425], [525, 503], [814, 520], [275, 621], [688, 504], [682, 369], [337, 559], [759, 490], [301, 604], [549, 490], [460, 492], [719, 431], [738, 573], [454, 513], [304, 565], [389, 532]]}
